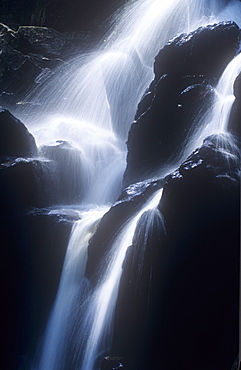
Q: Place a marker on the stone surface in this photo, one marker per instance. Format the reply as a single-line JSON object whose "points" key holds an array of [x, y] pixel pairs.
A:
{"points": [[235, 115], [33, 242], [33, 247], [15, 139], [129, 202], [179, 297], [177, 96], [62, 15], [29, 55], [112, 363], [63, 172]]}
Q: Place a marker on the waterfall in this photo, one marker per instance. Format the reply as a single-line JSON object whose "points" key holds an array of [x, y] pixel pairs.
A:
{"points": [[217, 117], [91, 103], [104, 298], [70, 289]]}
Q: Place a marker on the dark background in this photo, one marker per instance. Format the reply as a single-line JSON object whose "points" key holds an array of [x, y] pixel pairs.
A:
{"points": [[62, 15]]}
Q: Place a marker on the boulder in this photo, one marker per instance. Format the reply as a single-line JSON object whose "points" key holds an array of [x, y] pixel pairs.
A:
{"points": [[178, 301], [177, 97], [209, 50], [22, 185], [15, 139]]}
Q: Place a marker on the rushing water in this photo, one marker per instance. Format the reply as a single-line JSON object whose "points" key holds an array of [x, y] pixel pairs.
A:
{"points": [[91, 104]]}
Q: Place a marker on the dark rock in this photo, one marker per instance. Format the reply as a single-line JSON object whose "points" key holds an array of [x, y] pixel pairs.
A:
{"points": [[177, 97], [21, 184], [178, 301], [211, 169], [129, 202], [43, 41], [236, 365], [31, 53], [235, 115], [141, 289], [201, 206], [112, 363], [33, 248], [16, 140], [209, 49], [59, 14], [63, 172]]}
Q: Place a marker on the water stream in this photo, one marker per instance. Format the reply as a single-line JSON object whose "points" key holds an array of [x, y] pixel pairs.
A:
{"points": [[91, 104]]}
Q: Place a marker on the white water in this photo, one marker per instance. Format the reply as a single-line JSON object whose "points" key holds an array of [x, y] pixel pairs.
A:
{"points": [[216, 117], [70, 289], [104, 298], [91, 103]]}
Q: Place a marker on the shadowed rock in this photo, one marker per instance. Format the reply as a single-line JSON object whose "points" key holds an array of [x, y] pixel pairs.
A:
{"points": [[179, 94], [15, 139]]}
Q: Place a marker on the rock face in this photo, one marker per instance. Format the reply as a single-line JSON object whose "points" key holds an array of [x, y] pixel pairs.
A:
{"points": [[179, 93], [59, 14], [178, 302], [15, 139], [235, 115], [129, 202], [33, 243], [183, 305], [28, 56]]}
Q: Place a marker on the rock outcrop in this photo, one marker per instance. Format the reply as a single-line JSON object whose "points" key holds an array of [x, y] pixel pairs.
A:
{"points": [[235, 115], [34, 239], [178, 95], [178, 303], [179, 293], [15, 139], [28, 57]]}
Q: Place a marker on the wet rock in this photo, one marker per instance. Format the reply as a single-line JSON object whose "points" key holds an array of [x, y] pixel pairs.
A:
{"points": [[15, 139], [209, 49], [200, 205], [29, 53], [209, 171], [236, 365], [235, 115], [177, 97], [63, 172], [180, 281], [141, 289], [59, 14], [21, 185], [129, 203], [112, 363], [33, 246]]}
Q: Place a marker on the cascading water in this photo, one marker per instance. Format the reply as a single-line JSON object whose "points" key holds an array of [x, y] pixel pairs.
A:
{"points": [[71, 285], [217, 117], [91, 104]]}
